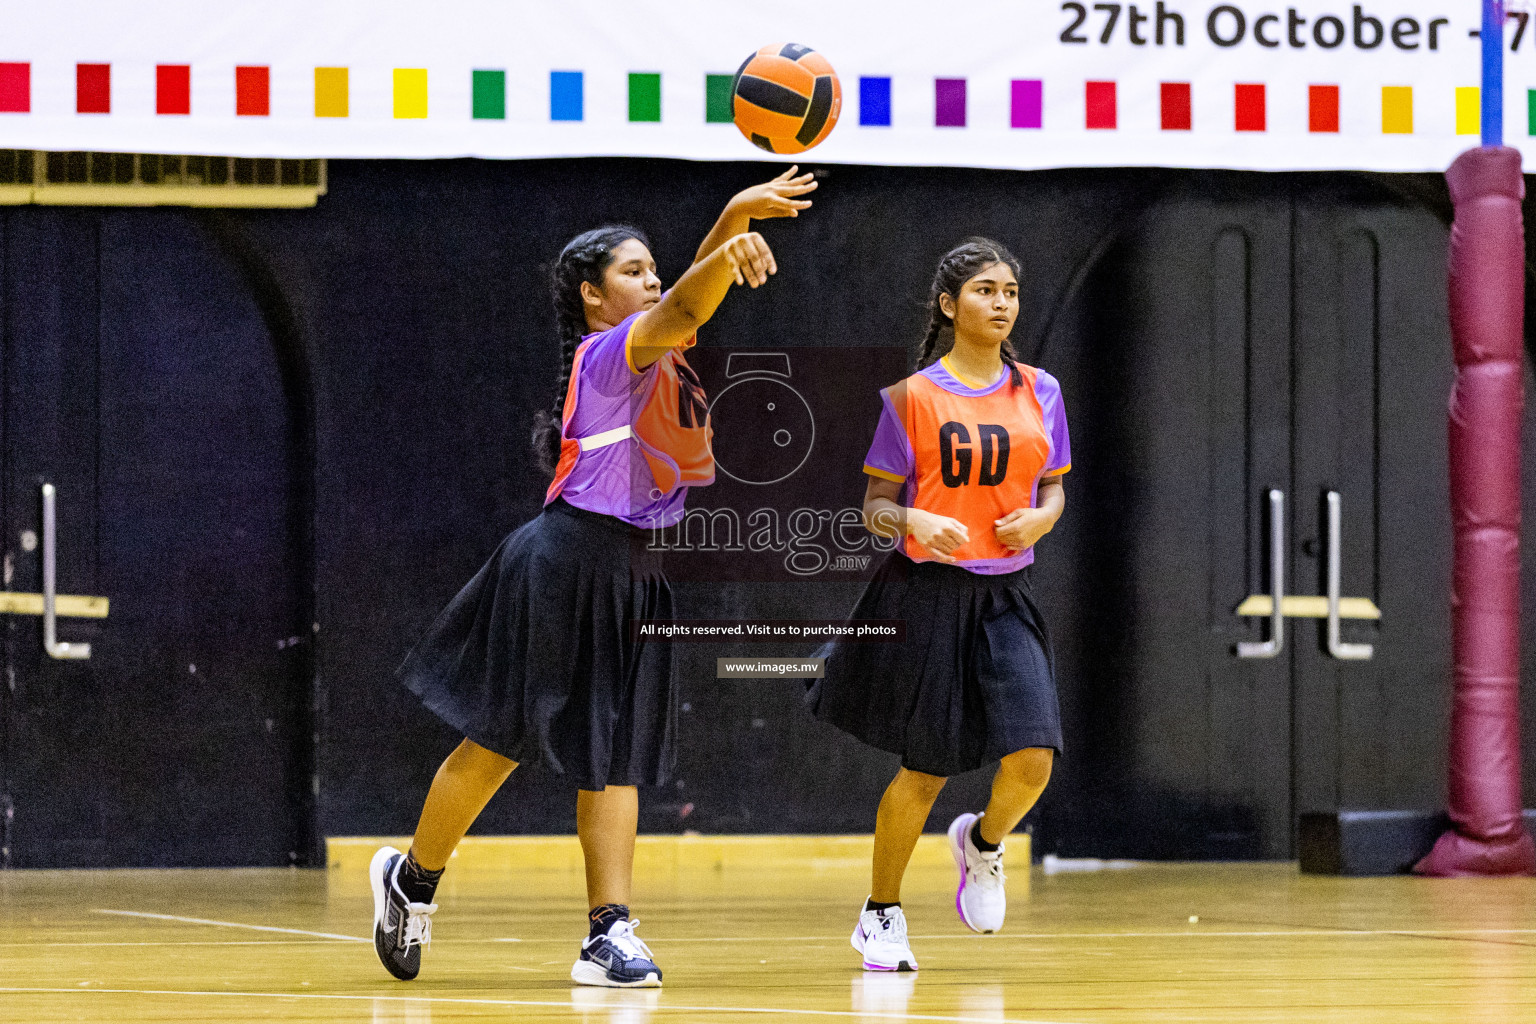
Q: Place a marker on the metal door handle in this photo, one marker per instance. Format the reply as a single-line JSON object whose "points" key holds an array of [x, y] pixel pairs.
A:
{"points": [[1337, 647], [63, 652], [1271, 648]]}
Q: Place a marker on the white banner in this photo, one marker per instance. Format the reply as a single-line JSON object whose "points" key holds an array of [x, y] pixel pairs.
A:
{"points": [[1381, 85]]}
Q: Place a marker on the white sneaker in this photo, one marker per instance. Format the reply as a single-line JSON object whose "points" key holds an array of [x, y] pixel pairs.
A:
{"points": [[981, 901], [881, 935]]}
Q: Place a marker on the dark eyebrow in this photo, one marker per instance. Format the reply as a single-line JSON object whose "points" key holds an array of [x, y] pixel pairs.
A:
{"points": [[988, 280]]}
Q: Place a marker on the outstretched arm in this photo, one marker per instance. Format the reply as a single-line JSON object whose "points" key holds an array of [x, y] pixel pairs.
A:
{"points": [[776, 198], [744, 259]]}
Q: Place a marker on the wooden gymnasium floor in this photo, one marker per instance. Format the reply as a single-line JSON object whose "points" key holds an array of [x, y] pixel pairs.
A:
{"points": [[756, 930]]}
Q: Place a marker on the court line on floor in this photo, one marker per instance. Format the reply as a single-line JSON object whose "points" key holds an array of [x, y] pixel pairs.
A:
{"points": [[177, 942], [561, 1004], [1193, 933], [229, 924], [1484, 935]]}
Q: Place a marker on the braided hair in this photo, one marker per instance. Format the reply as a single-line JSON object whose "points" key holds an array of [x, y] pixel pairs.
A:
{"points": [[584, 258], [958, 266]]}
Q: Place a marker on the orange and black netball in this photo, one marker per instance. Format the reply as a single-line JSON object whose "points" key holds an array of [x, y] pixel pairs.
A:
{"points": [[786, 98]]}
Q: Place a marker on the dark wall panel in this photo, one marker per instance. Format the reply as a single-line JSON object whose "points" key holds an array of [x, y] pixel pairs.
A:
{"points": [[142, 385]]}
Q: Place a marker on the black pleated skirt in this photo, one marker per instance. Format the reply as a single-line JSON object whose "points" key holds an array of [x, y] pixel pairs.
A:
{"points": [[972, 682], [534, 660]]}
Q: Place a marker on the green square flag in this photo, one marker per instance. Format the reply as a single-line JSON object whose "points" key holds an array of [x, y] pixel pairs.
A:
{"points": [[644, 96], [718, 108], [489, 92]]}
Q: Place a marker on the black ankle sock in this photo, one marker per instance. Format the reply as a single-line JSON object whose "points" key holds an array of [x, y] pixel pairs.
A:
{"points": [[602, 917], [879, 907], [982, 844], [418, 884]]}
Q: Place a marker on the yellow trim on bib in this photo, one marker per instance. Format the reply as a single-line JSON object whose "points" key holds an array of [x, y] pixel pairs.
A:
{"points": [[966, 380]]}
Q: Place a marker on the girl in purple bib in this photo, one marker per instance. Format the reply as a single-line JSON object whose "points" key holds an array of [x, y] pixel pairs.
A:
{"points": [[533, 660]]}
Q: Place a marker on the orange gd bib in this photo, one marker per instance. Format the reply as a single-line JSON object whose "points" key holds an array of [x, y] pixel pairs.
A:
{"points": [[976, 457]]}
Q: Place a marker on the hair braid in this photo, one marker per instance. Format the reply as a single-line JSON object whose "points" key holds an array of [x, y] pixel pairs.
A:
{"points": [[1015, 378], [926, 354], [584, 259]]}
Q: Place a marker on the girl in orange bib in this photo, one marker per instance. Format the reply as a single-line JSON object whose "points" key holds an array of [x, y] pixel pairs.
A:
{"points": [[965, 472]]}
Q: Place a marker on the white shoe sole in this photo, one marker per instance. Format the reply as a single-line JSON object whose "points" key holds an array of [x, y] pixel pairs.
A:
{"points": [[584, 972], [377, 881], [857, 941]]}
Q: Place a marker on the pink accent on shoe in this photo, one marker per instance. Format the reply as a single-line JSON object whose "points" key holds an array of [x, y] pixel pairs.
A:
{"points": [[957, 850]]}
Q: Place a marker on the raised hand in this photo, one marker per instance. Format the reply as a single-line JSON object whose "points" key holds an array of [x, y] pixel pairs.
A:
{"points": [[775, 198], [750, 259]]}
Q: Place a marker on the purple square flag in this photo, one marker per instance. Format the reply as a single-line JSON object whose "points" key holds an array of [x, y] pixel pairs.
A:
{"points": [[949, 102]]}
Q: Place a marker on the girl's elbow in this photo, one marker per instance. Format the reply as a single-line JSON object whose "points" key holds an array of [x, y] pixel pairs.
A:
{"points": [[881, 521], [685, 318]]}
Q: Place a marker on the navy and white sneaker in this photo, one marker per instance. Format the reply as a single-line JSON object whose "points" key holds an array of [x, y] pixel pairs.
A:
{"points": [[400, 927], [617, 960]]}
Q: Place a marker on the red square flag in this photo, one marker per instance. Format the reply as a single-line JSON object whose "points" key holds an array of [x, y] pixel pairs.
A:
{"points": [[15, 88], [1100, 100], [1322, 108], [173, 89], [1250, 108], [93, 88], [253, 92], [1176, 107]]}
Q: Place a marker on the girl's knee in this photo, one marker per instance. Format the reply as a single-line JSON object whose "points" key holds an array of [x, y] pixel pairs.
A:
{"points": [[470, 758], [1030, 767], [920, 783]]}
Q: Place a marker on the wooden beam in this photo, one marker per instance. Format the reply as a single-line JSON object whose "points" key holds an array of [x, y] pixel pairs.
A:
{"points": [[1310, 607], [70, 606]]}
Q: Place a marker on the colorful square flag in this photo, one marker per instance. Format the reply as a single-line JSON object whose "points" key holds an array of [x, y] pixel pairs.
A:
{"points": [[1099, 105], [488, 95], [949, 103], [1026, 109], [1177, 106], [1248, 107], [173, 89], [875, 102], [644, 96], [719, 104], [410, 93], [15, 88], [1397, 110], [1322, 108], [253, 91], [1469, 110], [566, 102], [93, 88], [331, 92]]}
